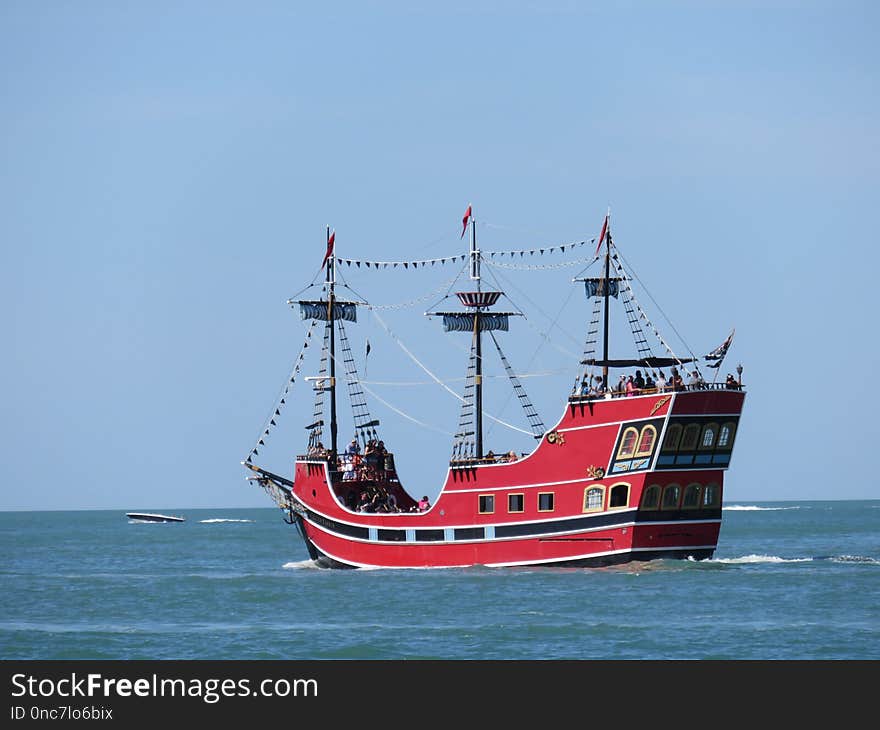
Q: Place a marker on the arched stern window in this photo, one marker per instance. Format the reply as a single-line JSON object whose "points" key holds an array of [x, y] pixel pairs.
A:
{"points": [[707, 440], [594, 498], [671, 495], [628, 443], [691, 499], [673, 436], [651, 497], [618, 496], [646, 441], [711, 496], [725, 435]]}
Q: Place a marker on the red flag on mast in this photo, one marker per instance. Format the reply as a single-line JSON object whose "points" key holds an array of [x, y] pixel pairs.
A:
{"points": [[602, 234], [329, 253], [464, 221]]}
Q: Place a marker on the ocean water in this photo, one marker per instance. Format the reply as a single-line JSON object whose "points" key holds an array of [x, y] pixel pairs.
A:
{"points": [[790, 580]]}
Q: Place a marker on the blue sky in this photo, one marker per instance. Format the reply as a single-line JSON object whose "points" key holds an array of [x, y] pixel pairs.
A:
{"points": [[168, 171]]}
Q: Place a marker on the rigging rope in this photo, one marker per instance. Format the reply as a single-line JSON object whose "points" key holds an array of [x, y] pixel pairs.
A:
{"points": [[434, 377], [668, 348], [399, 412], [280, 402]]}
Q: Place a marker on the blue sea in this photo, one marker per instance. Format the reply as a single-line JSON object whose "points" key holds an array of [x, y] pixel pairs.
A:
{"points": [[790, 580]]}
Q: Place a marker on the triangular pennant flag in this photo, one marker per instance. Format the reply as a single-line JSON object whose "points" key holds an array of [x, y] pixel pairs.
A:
{"points": [[261, 442], [330, 242], [602, 234], [273, 422], [464, 221]]}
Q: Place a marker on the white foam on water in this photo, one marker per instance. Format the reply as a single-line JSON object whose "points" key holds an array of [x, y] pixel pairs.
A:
{"points": [[747, 559], [215, 520], [753, 508], [307, 564], [855, 559]]}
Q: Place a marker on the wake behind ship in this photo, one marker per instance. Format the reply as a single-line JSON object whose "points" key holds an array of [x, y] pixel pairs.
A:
{"points": [[630, 470]]}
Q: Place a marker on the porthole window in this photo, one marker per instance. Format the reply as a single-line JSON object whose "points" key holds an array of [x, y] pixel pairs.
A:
{"points": [[594, 498], [671, 493], [515, 502], [545, 501]]}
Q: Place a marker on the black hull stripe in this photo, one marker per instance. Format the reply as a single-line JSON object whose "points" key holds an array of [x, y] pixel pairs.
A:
{"points": [[529, 529], [322, 560]]}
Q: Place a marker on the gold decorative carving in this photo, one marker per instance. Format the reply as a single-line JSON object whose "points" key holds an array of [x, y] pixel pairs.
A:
{"points": [[660, 403]]}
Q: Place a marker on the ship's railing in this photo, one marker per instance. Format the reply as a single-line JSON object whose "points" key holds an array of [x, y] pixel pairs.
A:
{"points": [[495, 459], [652, 391]]}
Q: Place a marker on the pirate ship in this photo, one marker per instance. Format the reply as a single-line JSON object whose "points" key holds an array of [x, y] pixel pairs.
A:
{"points": [[626, 473]]}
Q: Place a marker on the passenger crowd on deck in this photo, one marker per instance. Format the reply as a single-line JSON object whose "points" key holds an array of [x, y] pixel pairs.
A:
{"points": [[630, 385]]}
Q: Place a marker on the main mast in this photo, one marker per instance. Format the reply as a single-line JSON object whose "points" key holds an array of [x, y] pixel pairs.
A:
{"points": [[607, 290], [478, 348], [331, 283]]}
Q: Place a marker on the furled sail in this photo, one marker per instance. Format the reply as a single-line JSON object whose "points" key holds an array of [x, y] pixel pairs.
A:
{"points": [[596, 287], [464, 321], [318, 310]]}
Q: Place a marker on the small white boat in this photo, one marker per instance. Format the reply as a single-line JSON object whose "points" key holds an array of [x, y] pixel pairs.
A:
{"points": [[150, 517]]}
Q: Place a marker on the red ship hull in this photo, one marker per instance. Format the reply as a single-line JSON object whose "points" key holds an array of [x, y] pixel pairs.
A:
{"points": [[617, 480]]}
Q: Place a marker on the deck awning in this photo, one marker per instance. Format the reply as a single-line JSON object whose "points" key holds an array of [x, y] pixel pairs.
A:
{"points": [[646, 362]]}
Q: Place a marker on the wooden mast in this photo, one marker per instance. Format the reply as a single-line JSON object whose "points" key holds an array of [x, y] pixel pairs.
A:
{"points": [[478, 347], [331, 282], [607, 292]]}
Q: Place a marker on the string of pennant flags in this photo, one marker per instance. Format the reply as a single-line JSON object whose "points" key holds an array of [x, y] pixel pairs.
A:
{"points": [[279, 405], [541, 267], [422, 263]]}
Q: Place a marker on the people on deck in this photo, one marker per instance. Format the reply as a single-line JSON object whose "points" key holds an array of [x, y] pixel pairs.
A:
{"points": [[424, 504], [661, 382], [676, 380], [649, 385], [731, 382], [639, 381]]}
